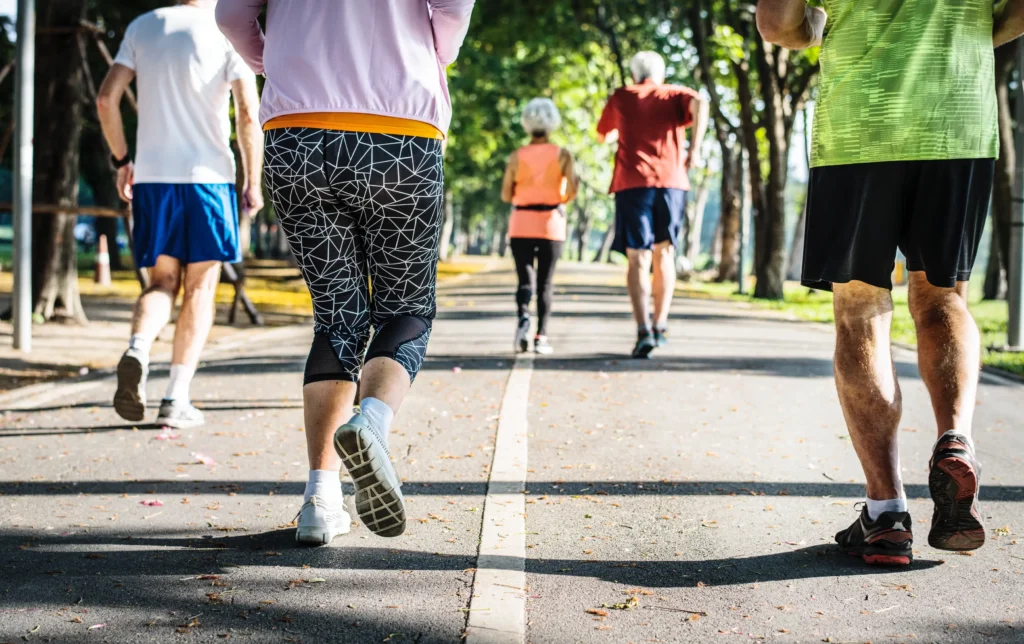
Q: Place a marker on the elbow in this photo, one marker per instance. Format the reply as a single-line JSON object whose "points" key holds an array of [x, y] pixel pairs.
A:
{"points": [[105, 103], [769, 26], [248, 118]]}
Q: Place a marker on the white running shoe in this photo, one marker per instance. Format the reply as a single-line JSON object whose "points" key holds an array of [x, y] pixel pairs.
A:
{"points": [[542, 346], [319, 523], [179, 415], [379, 501]]}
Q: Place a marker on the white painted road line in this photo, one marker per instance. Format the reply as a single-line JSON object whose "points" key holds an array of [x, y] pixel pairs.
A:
{"points": [[497, 610]]}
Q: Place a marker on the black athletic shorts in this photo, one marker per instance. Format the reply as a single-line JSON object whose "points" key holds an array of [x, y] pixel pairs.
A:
{"points": [[857, 216]]}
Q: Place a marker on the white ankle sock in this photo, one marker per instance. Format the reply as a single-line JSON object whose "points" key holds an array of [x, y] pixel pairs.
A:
{"points": [[181, 379], [876, 508], [140, 343], [325, 484], [380, 415]]}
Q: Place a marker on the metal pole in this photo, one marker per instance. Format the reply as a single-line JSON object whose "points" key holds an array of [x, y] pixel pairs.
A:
{"points": [[25, 71], [741, 270], [1015, 328]]}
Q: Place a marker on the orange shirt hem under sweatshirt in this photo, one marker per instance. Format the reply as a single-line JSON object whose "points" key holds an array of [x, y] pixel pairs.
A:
{"points": [[356, 122]]}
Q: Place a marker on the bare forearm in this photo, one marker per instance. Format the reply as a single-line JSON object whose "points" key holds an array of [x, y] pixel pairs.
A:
{"points": [[113, 128], [250, 145], [790, 23], [1009, 23]]}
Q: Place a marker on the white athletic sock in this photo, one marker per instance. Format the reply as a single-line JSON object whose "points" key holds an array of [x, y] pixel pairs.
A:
{"points": [[325, 484], [380, 415], [181, 378], [140, 343], [876, 508]]}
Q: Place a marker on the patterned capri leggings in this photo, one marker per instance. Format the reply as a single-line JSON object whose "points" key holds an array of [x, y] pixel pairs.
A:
{"points": [[362, 213]]}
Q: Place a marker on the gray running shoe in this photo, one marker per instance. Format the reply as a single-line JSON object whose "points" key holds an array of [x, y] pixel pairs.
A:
{"points": [[319, 522], [179, 415], [522, 331], [379, 501], [130, 397]]}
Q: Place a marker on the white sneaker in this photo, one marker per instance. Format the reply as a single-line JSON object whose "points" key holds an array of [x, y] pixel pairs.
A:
{"points": [[379, 501], [319, 523]]}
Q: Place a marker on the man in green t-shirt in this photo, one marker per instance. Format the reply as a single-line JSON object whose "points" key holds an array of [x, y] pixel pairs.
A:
{"points": [[905, 140]]}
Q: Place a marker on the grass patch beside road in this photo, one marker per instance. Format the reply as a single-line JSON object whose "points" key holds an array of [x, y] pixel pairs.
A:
{"points": [[816, 306]]}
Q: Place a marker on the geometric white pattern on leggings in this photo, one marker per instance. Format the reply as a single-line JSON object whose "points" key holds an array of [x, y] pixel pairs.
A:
{"points": [[360, 208]]}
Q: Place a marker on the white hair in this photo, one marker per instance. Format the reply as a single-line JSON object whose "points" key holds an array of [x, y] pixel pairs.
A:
{"points": [[647, 65], [540, 116]]}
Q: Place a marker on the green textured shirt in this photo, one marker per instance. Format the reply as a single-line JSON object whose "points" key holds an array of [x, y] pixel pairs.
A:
{"points": [[905, 80]]}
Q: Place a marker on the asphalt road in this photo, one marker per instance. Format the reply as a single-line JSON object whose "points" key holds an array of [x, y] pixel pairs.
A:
{"points": [[698, 491]]}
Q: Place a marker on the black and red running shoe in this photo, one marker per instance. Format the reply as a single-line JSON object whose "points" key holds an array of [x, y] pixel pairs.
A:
{"points": [[885, 541], [953, 482]]}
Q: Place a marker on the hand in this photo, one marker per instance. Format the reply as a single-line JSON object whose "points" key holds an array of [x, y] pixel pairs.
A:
{"points": [[252, 199], [693, 160], [125, 179]]}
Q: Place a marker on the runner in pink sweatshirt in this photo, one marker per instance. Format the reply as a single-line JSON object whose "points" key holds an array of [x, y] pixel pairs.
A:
{"points": [[355, 108]]}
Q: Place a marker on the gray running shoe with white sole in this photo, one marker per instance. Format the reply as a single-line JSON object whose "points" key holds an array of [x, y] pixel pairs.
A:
{"points": [[130, 397], [179, 415], [379, 501], [522, 335], [319, 522]]}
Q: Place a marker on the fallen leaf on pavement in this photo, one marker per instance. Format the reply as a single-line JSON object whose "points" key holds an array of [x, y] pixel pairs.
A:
{"points": [[203, 459]]}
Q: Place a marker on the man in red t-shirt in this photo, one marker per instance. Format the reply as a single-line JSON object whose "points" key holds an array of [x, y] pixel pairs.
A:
{"points": [[650, 184]]}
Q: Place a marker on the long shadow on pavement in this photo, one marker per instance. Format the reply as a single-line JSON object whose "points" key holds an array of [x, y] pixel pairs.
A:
{"points": [[134, 555], [824, 489]]}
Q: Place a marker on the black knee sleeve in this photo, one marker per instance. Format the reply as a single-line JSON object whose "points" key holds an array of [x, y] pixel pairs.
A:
{"points": [[523, 296], [404, 340], [332, 358]]}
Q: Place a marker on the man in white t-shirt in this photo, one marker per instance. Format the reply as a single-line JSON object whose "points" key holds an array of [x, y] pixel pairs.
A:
{"points": [[181, 185]]}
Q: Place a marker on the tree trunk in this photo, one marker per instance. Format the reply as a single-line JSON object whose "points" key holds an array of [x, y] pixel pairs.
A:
{"points": [[60, 90], [447, 225], [729, 219], [770, 244], [584, 223], [696, 218], [605, 254], [99, 174], [748, 130], [1002, 189], [796, 250]]}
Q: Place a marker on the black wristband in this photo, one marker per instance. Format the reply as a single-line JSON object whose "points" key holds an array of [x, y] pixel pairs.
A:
{"points": [[120, 163]]}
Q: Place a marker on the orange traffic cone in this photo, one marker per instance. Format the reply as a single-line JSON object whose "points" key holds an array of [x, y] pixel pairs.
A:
{"points": [[102, 273]]}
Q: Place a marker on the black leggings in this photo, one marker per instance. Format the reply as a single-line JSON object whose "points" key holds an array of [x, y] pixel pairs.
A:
{"points": [[527, 251], [362, 213]]}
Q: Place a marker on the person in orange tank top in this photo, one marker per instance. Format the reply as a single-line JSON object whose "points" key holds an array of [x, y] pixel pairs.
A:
{"points": [[539, 180]]}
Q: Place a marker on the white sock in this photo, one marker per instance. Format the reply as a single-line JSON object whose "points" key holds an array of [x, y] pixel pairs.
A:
{"points": [[325, 484], [380, 415], [181, 378], [876, 508], [140, 343]]}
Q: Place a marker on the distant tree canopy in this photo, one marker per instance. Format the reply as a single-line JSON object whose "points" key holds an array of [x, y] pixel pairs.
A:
{"points": [[577, 52]]}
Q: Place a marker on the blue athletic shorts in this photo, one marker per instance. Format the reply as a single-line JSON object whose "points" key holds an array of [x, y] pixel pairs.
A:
{"points": [[648, 216], [192, 222]]}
